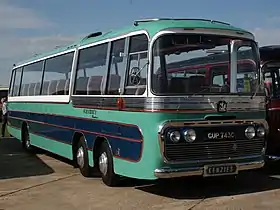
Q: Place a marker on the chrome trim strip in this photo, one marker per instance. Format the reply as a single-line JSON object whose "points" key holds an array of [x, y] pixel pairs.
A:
{"points": [[177, 123], [172, 123], [206, 102], [189, 104], [165, 173], [272, 158]]}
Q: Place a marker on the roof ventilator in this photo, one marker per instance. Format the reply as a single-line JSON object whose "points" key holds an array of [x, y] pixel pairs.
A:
{"points": [[136, 22], [95, 34]]}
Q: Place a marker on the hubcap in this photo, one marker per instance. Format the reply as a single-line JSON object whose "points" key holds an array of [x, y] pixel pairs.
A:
{"points": [[27, 141], [103, 163], [80, 157]]}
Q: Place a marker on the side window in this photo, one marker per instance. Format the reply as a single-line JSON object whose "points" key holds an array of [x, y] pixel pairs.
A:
{"points": [[17, 80], [12, 80], [138, 65], [57, 75], [247, 80], [218, 80], [91, 69], [117, 67], [31, 79]]}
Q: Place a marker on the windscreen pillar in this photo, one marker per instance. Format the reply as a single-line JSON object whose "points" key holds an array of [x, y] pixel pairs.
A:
{"points": [[233, 67]]}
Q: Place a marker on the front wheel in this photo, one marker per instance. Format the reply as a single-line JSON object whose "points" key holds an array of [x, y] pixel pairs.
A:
{"points": [[106, 166], [25, 140]]}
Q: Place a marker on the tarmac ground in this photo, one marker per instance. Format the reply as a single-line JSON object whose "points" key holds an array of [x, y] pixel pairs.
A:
{"points": [[45, 181]]}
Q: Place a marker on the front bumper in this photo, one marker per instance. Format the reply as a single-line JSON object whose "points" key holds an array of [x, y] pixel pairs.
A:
{"points": [[167, 172], [272, 158]]}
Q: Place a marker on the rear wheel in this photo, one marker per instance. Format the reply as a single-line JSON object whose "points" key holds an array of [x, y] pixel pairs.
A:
{"points": [[82, 158], [106, 166]]}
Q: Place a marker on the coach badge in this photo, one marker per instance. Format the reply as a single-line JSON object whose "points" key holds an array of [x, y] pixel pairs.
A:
{"points": [[221, 106]]}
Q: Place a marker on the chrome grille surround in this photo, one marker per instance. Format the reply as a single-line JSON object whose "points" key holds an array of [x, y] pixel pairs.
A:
{"points": [[203, 152]]}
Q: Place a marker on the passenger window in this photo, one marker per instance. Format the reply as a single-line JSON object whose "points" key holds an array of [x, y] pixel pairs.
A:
{"points": [[57, 75], [117, 67], [90, 70], [31, 79], [137, 66], [17, 80]]}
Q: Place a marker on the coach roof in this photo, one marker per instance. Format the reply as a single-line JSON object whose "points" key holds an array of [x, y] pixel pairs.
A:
{"points": [[152, 26]]}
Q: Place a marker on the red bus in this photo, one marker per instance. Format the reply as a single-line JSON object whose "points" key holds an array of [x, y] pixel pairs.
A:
{"points": [[213, 75], [270, 66]]}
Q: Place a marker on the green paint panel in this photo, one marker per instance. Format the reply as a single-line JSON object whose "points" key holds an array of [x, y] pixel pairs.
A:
{"points": [[14, 132], [62, 149], [90, 156]]}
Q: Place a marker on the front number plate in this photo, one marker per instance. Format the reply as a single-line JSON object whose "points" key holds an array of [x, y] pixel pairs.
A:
{"points": [[220, 170]]}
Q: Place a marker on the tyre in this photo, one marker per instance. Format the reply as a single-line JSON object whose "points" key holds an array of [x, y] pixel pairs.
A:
{"points": [[82, 158], [25, 140], [106, 166]]}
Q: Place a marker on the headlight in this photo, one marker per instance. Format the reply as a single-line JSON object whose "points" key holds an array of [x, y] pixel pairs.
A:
{"points": [[260, 131], [175, 136], [250, 132], [189, 135]]}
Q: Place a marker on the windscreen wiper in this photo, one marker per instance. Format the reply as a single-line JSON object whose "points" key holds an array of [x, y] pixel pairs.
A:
{"points": [[256, 91]]}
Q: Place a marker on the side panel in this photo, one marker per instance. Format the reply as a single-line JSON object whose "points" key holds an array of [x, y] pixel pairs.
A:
{"points": [[64, 150], [54, 146], [39, 137], [136, 151]]}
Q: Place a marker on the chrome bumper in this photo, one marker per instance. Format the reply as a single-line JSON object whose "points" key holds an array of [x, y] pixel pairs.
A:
{"points": [[164, 173], [272, 158]]}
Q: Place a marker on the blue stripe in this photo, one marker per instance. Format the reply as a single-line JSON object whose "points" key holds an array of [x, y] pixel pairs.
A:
{"points": [[62, 128]]}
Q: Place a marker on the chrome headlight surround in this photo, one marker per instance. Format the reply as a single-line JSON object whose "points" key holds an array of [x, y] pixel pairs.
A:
{"points": [[174, 136], [250, 132], [260, 131], [189, 135]]}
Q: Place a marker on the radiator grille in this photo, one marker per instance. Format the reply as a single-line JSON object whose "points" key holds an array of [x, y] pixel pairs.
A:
{"points": [[213, 150]]}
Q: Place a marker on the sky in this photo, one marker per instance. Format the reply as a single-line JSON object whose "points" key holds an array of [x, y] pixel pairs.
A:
{"points": [[28, 27]]}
